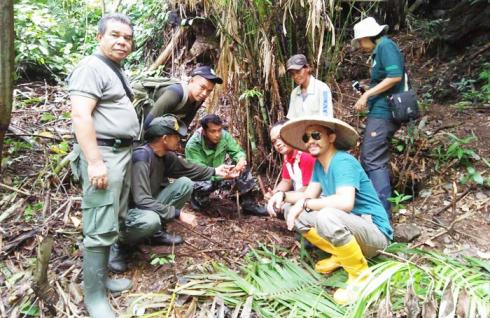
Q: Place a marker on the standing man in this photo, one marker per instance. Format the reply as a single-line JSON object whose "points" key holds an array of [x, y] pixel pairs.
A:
{"points": [[105, 124], [209, 146], [184, 99], [311, 96], [297, 166], [339, 211], [154, 200]]}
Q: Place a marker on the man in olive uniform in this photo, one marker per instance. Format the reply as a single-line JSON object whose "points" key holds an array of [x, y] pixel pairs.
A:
{"points": [[184, 99], [105, 124], [155, 201]]}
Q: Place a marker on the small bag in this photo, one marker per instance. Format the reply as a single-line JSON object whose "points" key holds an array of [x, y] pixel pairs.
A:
{"points": [[404, 106]]}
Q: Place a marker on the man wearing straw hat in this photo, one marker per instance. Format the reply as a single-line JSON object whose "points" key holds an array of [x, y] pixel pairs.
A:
{"points": [[339, 211]]}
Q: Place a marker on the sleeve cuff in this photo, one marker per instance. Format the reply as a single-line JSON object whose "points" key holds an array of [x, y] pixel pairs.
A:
{"points": [[177, 213]]}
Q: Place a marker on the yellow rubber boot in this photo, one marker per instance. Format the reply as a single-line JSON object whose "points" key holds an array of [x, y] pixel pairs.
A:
{"points": [[327, 265], [353, 261]]}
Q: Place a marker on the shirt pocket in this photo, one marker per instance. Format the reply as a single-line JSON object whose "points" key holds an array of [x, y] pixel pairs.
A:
{"points": [[99, 215]]}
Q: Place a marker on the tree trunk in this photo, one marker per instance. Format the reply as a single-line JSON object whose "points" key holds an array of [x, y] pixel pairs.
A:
{"points": [[6, 66]]}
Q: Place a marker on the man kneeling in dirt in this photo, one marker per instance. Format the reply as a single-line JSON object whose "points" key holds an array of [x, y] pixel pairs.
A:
{"points": [[154, 200], [209, 147], [339, 211]]}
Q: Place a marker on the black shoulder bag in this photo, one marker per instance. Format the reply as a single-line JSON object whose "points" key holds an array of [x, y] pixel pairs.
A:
{"points": [[404, 106], [117, 71]]}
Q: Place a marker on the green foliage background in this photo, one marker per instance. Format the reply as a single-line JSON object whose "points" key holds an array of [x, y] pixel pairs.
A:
{"points": [[52, 36]]}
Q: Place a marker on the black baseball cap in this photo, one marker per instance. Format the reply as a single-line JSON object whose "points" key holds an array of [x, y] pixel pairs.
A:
{"points": [[208, 73]]}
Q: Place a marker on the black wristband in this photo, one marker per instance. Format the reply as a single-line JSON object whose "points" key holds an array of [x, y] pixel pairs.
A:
{"points": [[307, 209], [283, 195], [177, 213]]}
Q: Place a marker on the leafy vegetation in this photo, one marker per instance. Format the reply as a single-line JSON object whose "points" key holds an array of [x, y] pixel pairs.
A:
{"points": [[162, 260], [52, 36], [398, 199], [457, 153], [278, 287]]}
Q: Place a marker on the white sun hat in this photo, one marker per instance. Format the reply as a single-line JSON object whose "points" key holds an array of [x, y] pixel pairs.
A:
{"points": [[293, 130], [366, 28]]}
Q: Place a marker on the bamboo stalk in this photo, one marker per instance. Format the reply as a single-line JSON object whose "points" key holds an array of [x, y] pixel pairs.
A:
{"points": [[167, 52]]}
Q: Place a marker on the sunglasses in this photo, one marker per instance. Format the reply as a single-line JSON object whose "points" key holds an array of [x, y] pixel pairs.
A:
{"points": [[314, 134]]}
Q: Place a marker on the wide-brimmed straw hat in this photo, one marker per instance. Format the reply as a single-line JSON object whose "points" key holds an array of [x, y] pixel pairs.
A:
{"points": [[366, 28], [292, 132]]}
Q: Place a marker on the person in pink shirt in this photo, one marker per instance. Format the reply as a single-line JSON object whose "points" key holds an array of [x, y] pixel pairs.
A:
{"points": [[297, 167]]}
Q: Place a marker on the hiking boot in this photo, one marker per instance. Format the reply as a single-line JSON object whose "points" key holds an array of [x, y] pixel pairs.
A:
{"points": [[252, 208], [200, 195], [164, 238], [199, 203], [117, 258]]}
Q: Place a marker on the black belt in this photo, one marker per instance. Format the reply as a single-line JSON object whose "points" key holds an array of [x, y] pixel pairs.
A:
{"points": [[117, 143]]}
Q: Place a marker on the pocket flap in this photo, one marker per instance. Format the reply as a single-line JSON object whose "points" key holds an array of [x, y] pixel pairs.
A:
{"points": [[96, 198]]}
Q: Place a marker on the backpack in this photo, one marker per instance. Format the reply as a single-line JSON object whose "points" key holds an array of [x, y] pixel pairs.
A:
{"points": [[144, 89]]}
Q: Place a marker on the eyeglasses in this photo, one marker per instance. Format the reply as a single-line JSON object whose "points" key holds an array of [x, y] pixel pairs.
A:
{"points": [[314, 134]]}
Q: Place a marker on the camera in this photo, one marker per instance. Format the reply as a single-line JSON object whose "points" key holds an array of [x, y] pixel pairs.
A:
{"points": [[357, 86]]}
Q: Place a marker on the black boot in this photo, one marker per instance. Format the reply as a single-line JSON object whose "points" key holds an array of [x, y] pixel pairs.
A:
{"points": [[200, 195], [164, 238], [117, 258], [253, 208]]}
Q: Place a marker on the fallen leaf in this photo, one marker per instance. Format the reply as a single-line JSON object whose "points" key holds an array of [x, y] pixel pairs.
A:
{"points": [[76, 221]]}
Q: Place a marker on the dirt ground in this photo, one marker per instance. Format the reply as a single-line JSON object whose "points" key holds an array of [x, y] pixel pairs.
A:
{"points": [[453, 218]]}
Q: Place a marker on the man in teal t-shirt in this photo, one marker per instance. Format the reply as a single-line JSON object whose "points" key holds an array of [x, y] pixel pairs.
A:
{"points": [[339, 211], [387, 70]]}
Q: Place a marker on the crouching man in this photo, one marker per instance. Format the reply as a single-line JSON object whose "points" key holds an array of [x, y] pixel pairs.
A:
{"points": [[339, 212], [297, 166], [209, 146], [154, 200]]}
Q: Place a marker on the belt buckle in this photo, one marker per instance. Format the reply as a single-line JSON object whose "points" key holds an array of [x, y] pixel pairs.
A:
{"points": [[117, 144]]}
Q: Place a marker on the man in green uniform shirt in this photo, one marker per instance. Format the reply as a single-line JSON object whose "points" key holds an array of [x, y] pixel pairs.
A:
{"points": [[154, 200], [105, 124], [209, 146], [184, 99]]}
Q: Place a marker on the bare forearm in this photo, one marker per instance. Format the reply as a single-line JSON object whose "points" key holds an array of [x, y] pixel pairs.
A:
{"points": [[333, 201], [383, 86], [284, 185], [294, 196]]}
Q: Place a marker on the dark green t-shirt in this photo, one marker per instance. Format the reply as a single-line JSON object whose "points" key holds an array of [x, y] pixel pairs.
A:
{"points": [[387, 61]]}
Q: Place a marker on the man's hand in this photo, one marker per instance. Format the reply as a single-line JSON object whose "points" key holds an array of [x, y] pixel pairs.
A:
{"points": [[268, 194], [275, 203], [293, 214], [188, 218], [361, 102], [97, 175], [240, 166], [224, 171]]}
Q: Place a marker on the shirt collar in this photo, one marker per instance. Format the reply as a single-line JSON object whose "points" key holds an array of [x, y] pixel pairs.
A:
{"points": [[375, 51], [310, 90]]}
